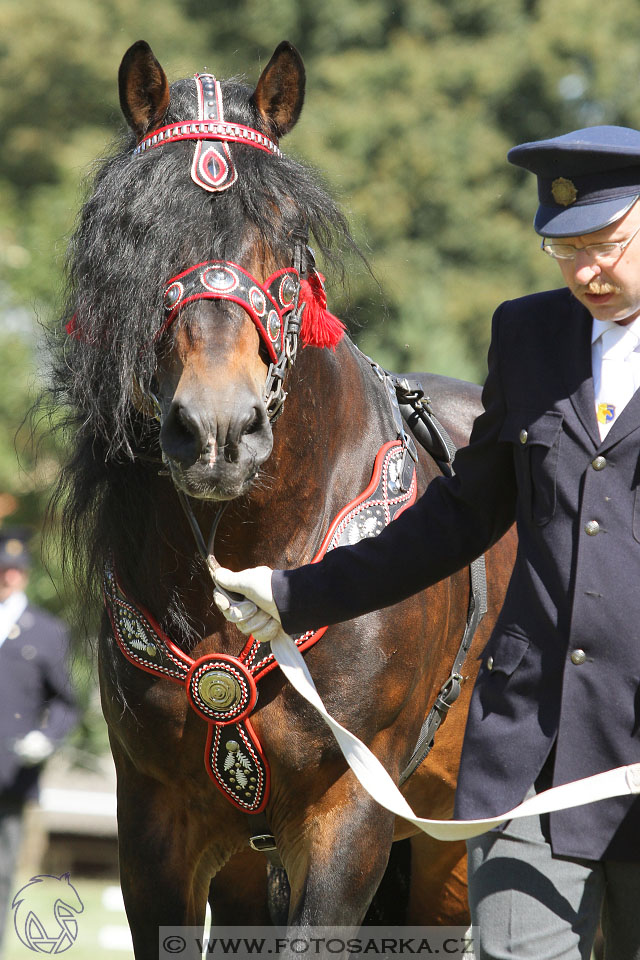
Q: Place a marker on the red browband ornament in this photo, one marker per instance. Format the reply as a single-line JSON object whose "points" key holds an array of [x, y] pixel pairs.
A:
{"points": [[197, 130], [212, 167]]}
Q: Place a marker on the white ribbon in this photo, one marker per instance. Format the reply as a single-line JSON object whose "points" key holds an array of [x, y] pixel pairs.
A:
{"points": [[375, 779]]}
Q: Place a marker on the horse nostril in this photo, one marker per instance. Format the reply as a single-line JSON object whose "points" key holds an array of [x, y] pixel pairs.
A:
{"points": [[181, 436], [255, 421]]}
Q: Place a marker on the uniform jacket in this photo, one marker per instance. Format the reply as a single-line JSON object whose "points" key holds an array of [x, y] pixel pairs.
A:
{"points": [[562, 666], [35, 694]]}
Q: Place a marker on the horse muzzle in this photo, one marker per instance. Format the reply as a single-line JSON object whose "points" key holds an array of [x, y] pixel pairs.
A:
{"points": [[215, 458]]}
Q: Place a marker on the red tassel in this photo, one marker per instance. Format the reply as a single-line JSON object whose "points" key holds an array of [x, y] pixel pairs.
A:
{"points": [[72, 327], [74, 330], [319, 327]]}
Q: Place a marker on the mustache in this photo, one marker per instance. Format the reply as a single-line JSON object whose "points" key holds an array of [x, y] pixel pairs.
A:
{"points": [[601, 287]]}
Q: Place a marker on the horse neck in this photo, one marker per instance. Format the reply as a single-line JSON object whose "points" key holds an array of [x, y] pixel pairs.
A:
{"points": [[335, 417]]}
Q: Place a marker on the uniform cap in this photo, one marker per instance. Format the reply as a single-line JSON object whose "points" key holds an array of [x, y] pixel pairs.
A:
{"points": [[587, 179]]}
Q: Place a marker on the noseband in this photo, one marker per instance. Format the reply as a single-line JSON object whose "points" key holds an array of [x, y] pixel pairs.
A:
{"points": [[266, 303], [274, 307]]}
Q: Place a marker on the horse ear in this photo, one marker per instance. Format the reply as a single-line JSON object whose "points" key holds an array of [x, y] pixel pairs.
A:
{"points": [[143, 87], [279, 94]]}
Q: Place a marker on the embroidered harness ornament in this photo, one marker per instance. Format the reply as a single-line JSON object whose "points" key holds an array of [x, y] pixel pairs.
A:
{"points": [[212, 167], [266, 303]]}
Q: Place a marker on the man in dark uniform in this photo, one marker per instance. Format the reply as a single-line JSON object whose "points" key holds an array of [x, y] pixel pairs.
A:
{"points": [[556, 450], [37, 705]]}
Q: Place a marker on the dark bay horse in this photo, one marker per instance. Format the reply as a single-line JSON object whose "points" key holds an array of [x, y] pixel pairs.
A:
{"points": [[188, 273]]}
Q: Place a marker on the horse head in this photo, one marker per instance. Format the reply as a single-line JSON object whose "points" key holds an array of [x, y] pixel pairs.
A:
{"points": [[187, 277], [225, 317]]}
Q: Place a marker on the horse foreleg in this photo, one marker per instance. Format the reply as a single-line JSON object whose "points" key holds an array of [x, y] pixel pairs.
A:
{"points": [[336, 861], [164, 882], [239, 892]]}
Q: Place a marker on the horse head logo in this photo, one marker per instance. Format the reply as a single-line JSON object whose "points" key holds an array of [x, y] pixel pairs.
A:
{"points": [[44, 914]]}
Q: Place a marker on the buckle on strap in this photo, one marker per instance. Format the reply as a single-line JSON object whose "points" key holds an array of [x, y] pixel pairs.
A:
{"points": [[262, 842]]}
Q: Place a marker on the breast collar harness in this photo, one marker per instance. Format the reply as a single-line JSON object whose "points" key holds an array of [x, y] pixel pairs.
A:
{"points": [[222, 689]]}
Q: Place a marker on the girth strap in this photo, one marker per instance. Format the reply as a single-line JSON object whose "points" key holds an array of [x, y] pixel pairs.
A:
{"points": [[450, 690], [430, 433], [417, 412], [409, 403]]}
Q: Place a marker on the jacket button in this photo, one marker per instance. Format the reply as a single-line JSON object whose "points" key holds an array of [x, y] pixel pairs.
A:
{"points": [[578, 657], [524, 436], [599, 463], [489, 663], [592, 528]]}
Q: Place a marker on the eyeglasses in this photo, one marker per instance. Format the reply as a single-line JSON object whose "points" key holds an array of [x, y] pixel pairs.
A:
{"points": [[600, 252]]}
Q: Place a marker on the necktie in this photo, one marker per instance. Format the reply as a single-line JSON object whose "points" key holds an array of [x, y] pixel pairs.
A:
{"points": [[617, 384]]}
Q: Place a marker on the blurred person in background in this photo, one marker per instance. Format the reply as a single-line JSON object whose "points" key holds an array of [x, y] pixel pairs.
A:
{"points": [[37, 703]]}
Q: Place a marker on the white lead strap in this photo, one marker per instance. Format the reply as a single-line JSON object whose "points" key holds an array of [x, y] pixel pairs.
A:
{"points": [[375, 779]]}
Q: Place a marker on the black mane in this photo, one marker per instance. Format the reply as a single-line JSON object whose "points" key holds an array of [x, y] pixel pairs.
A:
{"points": [[145, 221]]}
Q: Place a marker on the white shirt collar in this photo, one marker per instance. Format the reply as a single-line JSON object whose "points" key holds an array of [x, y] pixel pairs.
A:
{"points": [[10, 612], [599, 327]]}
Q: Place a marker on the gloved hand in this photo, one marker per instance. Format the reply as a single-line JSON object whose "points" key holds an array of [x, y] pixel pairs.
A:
{"points": [[256, 613], [33, 748]]}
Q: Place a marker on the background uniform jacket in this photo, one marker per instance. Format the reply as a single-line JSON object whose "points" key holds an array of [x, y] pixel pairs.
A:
{"points": [[35, 694], [562, 666]]}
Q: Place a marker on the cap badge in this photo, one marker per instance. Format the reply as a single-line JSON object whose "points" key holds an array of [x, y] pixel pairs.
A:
{"points": [[564, 191]]}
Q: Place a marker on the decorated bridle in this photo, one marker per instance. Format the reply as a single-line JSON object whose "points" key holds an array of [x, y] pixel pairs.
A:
{"points": [[288, 305]]}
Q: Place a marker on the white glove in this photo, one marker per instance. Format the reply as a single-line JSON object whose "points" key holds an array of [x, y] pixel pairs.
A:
{"points": [[256, 613], [33, 748]]}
